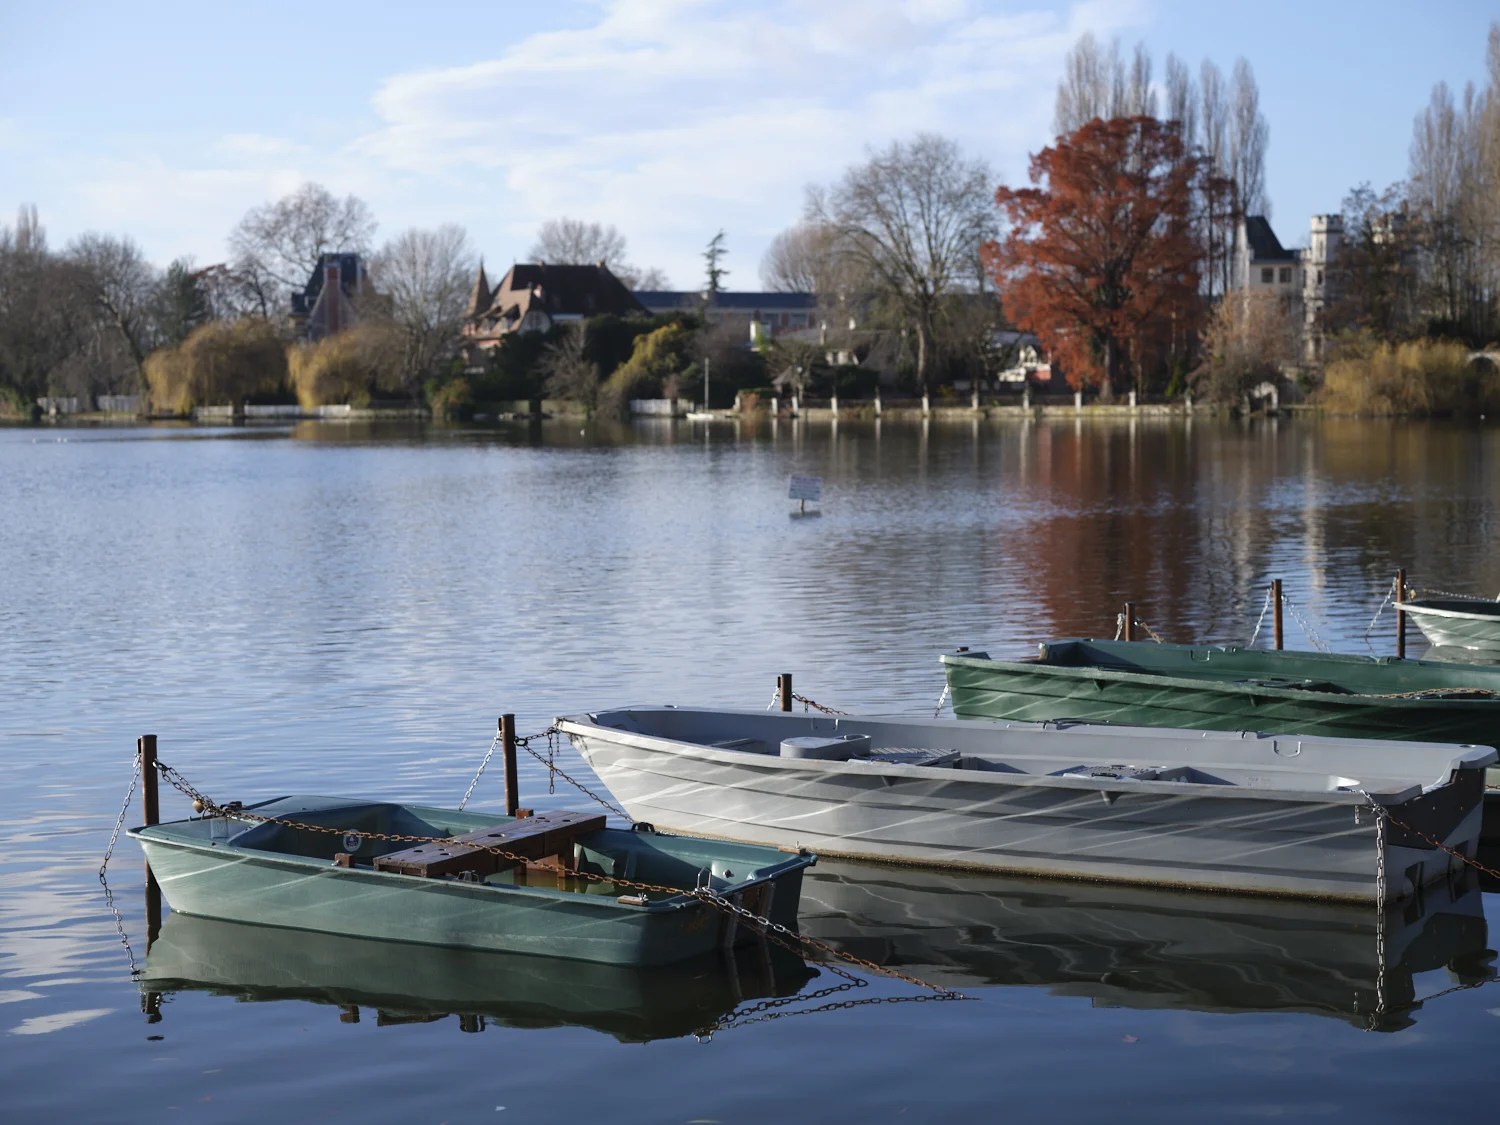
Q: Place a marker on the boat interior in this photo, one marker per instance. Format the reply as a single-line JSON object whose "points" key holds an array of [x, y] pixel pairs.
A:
{"points": [[1335, 673], [465, 846], [1064, 749]]}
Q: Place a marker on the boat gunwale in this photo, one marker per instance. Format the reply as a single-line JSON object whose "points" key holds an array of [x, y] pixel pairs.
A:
{"points": [[790, 864], [1439, 607], [1413, 790]]}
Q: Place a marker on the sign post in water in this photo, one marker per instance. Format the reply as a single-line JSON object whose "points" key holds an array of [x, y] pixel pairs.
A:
{"points": [[804, 489]]}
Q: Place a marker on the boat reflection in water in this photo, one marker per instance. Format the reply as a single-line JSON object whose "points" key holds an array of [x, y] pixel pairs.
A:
{"points": [[406, 984], [1133, 947]]}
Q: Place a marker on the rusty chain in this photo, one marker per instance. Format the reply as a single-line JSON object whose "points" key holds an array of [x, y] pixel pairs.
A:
{"points": [[773, 931], [806, 703], [1381, 812]]}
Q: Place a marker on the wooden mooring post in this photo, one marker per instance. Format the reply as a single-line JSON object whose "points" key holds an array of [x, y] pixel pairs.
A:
{"points": [[1129, 633], [145, 749], [784, 690], [508, 749], [1276, 612], [1400, 617]]}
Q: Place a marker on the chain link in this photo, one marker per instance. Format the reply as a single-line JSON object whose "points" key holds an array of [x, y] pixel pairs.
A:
{"points": [[938, 710], [135, 777], [109, 851], [1390, 593], [550, 761], [488, 754], [806, 703], [1259, 621], [1307, 628], [1383, 813]]}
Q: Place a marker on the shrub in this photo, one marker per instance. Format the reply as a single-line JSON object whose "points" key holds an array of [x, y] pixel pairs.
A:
{"points": [[453, 399], [352, 366], [219, 362], [1418, 377]]}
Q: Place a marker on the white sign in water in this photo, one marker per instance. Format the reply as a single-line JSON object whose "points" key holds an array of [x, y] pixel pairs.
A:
{"points": [[805, 488]]}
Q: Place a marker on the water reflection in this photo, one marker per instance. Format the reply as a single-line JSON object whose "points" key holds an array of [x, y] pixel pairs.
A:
{"points": [[392, 983], [1139, 948]]}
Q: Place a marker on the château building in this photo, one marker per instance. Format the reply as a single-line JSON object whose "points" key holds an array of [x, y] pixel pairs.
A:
{"points": [[1304, 278]]}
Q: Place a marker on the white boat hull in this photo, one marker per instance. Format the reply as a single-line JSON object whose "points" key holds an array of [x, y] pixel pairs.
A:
{"points": [[1457, 623], [1266, 839]]}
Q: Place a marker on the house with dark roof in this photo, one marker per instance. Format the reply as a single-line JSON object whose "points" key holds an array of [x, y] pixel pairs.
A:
{"points": [[762, 315], [533, 297], [1261, 263], [329, 302]]}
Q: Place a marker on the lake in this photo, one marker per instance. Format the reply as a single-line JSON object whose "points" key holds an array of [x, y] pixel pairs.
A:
{"points": [[346, 608]]}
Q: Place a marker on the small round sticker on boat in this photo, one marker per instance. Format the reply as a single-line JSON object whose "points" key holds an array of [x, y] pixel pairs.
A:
{"points": [[352, 841]]}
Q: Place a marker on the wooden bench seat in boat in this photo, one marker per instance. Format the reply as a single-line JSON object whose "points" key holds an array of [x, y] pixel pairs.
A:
{"points": [[532, 838]]}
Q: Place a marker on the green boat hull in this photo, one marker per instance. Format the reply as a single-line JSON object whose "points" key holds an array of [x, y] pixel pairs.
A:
{"points": [[281, 875], [1228, 688]]}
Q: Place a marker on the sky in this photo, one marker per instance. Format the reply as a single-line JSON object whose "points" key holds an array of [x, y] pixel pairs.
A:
{"points": [[669, 119]]}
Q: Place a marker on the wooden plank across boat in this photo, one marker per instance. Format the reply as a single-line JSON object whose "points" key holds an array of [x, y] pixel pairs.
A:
{"points": [[419, 874], [1292, 815]]}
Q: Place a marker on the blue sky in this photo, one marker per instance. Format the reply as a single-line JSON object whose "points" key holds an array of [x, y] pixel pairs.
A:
{"points": [[669, 119]]}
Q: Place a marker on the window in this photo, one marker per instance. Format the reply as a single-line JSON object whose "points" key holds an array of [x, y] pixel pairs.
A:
{"points": [[1286, 274], [1267, 275]]}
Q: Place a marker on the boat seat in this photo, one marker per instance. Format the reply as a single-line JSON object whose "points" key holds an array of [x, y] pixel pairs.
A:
{"points": [[913, 756], [532, 837]]}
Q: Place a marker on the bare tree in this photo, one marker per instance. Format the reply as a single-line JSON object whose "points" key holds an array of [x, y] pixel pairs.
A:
{"points": [[1249, 339], [645, 280], [123, 288], [1099, 83], [1082, 94], [798, 259], [913, 216], [277, 245], [1140, 95], [1248, 135], [574, 242], [45, 317], [1220, 213], [567, 371], [1182, 99], [423, 276], [1444, 147]]}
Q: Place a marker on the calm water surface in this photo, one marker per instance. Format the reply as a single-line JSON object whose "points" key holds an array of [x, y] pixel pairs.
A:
{"points": [[345, 609]]}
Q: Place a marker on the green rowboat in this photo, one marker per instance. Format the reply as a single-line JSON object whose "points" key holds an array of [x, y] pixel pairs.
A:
{"points": [[556, 884], [1223, 687]]}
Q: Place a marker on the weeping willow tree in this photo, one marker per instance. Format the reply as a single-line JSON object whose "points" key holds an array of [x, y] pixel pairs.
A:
{"points": [[353, 366], [221, 362]]}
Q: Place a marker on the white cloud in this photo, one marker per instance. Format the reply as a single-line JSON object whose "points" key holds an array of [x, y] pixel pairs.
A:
{"points": [[670, 119]]}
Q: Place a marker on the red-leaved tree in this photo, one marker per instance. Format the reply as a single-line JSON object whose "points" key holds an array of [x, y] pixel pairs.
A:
{"points": [[1101, 260]]}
